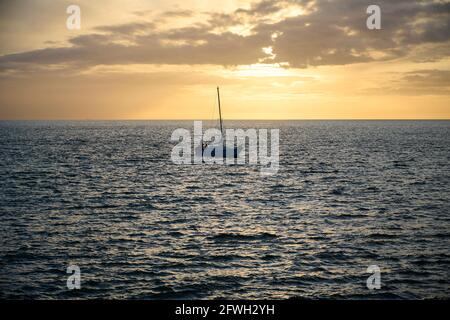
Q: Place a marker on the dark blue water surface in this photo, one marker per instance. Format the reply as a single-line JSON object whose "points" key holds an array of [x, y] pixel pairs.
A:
{"points": [[105, 196]]}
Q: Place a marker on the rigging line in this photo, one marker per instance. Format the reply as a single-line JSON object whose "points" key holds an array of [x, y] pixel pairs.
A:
{"points": [[220, 111]]}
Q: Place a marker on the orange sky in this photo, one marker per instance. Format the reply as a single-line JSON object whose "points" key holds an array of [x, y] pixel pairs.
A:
{"points": [[272, 60]]}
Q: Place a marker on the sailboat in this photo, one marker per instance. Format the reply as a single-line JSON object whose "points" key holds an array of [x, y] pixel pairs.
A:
{"points": [[232, 152]]}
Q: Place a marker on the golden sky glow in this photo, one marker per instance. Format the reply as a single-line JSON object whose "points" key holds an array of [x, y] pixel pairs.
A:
{"points": [[310, 59]]}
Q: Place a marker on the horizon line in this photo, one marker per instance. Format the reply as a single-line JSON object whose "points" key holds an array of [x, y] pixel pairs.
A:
{"points": [[246, 119]]}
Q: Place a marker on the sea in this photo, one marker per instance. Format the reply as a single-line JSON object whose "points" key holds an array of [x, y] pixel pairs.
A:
{"points": [[105, 198]]}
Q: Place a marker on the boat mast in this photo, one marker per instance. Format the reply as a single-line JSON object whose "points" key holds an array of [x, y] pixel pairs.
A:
{"points": [[220, 111]]}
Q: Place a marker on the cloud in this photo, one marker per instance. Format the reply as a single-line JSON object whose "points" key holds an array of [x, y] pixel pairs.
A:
{"points": [[336, 34], [319, 33], [418, 82], [262, 8], [127, 28], [178, 13]]}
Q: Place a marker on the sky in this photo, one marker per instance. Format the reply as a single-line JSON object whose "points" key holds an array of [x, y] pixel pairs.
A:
{"points": [[293, 59]]}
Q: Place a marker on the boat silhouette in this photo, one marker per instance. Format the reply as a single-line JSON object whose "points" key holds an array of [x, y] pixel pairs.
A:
{"points": [[232, 152]]}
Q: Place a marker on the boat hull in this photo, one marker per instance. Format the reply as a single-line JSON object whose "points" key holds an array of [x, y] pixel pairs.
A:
{"points": [[227, 152]]}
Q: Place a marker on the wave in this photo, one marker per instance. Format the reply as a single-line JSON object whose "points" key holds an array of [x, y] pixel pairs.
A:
{"points": [[242, 237]]}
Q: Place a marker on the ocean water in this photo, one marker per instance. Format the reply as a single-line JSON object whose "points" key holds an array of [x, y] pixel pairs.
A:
{"points": [[105, 196]]}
